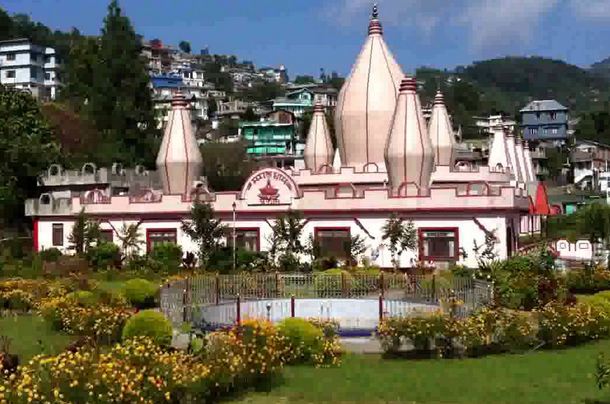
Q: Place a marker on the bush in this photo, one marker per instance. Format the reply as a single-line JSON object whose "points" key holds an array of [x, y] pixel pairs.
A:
{"points": [[104, 256], [50, 254], [567, 325], [151, 324], [588, 280], [17, 300], [83, 298], [141, 293], [303, 340], [166, 258]]}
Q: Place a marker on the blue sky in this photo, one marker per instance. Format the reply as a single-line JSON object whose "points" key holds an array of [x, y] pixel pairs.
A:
{"points": [[308, 34]]}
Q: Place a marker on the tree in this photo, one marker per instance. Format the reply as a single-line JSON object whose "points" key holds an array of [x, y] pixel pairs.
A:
{"points": [[286, 245], [355, 247], [249, 115], [204, 230], [108, 77], [304, 80], [27, 147], [401, 237], [185, 46], [263, 91], [131, 239], [226, 165], [84, 233]]}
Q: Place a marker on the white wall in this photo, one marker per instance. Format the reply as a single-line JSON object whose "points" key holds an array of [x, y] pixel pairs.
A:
{"points": [[468, 233]]}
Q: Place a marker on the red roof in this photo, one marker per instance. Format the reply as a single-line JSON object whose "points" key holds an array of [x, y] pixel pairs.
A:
{"points": [[541, 205]]}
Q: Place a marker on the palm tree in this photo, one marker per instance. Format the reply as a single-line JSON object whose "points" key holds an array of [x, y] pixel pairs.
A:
{"points": [[130, 239]]}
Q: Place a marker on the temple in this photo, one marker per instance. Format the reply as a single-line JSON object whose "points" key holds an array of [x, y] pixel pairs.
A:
{"points": [[388, 160]]}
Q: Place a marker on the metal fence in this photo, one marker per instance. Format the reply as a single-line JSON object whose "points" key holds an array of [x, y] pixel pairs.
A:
{"points": [[182, 300]]}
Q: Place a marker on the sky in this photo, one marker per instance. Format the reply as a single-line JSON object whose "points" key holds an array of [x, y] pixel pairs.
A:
{"points": [[306, 35]]}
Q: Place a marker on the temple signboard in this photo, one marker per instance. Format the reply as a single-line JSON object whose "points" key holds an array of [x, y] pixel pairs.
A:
{"points": [[269, 186]]}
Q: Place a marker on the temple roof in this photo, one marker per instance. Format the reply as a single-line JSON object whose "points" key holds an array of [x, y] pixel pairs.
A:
{"points": [[441, 133], [318, 148], [366, 102]]}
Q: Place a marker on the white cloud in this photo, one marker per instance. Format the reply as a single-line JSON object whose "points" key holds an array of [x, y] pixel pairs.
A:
{"points": [[591, 9], [497, 25], [490, 25]]}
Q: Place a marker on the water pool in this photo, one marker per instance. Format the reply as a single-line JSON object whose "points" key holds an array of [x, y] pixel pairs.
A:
{"points": [[354, 316]]}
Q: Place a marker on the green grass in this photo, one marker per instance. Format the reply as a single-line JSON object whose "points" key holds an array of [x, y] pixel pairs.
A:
{"points": [[32, 335], [563, 376]]}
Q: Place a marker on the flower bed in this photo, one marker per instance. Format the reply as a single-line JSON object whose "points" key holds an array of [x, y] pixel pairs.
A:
{"points": [[496, 330], [140, 371]]}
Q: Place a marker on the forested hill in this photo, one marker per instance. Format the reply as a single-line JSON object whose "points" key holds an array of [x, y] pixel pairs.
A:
{"points": [[602, 68], [507, 84], [524, 78]]}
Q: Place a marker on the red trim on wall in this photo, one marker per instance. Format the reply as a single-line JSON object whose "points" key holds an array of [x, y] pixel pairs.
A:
{"points": [[166, 230], [420, 238], [35, 241]]}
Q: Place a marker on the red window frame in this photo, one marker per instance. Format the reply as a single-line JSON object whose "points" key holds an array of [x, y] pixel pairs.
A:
{"points": [[317, 230], [456, 247], [229, 235], [150, 232], [60, 228]]}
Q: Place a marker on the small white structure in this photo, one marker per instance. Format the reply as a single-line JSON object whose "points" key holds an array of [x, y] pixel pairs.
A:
{"points": [[30, 67]]}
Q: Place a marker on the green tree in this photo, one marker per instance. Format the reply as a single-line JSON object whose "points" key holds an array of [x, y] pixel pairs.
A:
{"points": [[226, 165], [286, 244], [185, 46], [84, 233], [131, 239], [110, 75], [27, 147], [401, 237], [205, 230], [304, 80], [249, 115]]}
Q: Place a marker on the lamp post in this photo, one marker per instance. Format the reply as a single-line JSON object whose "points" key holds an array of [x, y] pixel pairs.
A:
{"points": [[234, 237]]}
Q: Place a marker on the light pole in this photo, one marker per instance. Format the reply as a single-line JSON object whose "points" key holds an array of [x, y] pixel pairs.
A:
{"points": [[234, 237]]}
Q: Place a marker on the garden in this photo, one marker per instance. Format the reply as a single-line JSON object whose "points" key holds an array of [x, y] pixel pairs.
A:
{"points": [[91, 326]]}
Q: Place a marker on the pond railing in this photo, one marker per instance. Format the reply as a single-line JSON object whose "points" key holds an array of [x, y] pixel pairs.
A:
{"points": [[179, 300]]}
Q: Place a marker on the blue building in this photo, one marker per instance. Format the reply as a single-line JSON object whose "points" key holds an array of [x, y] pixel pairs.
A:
{"points": [[545, 120]]}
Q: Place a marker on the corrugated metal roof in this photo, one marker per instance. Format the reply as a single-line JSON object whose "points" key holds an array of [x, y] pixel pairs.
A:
{"points": [[543, 105]]}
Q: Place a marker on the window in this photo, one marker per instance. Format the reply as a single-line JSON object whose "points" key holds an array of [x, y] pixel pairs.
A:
{"points": [[158, 236], [10, 74], [438, 244], [58, 234], [107, 236], [47, 76], [10, 56], [554, 131], [333, 242], [553, 115], [245, 239]]}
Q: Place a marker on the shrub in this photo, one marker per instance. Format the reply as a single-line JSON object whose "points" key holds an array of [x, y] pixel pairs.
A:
{"points": [[17, 300], [50, 254], [105, 255], [166, 258], [151, 324], [141, 293], [564, 325], [588, 280], [303, 340], [83, 298]]}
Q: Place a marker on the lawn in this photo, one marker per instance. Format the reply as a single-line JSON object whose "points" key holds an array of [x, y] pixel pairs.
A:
{"points": [[31, 335], [564, 376]]}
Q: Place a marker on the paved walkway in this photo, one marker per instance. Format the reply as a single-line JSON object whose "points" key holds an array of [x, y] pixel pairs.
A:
{"points": [[361, 345]]}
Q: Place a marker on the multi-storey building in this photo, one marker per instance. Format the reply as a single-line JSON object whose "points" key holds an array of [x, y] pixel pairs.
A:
{"points": [[30, 67], [486, 124], [545, 120]]}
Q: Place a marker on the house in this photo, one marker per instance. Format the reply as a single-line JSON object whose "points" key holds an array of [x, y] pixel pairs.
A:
{"points": [[486, 124], [30, 67], [273, 136], [545, 120], [165, 86], [274, 75], [590, 164]]}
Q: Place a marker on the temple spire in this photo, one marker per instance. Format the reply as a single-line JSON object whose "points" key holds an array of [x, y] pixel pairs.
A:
{"points": [[441, 133], [375, 24], [319, 148], [375, 14]]}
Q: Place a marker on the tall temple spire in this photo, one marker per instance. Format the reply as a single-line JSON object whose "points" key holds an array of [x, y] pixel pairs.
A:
{"points": [[498, 153], [179, 160], [441, 133], [318, 148], [366, 102], [408, 153]]}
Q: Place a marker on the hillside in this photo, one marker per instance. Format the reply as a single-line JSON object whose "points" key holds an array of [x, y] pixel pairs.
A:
{"points": [[601, 68], [520, 79]]}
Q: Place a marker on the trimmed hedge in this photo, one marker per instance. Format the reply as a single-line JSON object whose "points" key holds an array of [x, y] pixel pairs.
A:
{"points": [[151, 324]]}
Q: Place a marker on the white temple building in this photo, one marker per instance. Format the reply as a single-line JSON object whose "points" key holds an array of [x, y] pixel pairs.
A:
{"points": [[388, 161]]}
